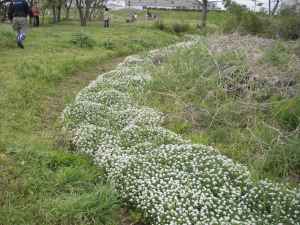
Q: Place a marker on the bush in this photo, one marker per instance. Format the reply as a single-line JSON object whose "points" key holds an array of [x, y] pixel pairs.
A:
{"points": [[83, 40], [108, 44], [288, 113], [251, 23], [245, 22], [289, 27], [180, 27], [160, 25]]}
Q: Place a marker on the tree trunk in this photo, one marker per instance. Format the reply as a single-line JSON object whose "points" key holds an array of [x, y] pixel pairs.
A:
{"points": [[275, 7], [54, 17], [87, 9], [67, 14], [204, 13], [68, 7], [79, 5], [58, 14]]}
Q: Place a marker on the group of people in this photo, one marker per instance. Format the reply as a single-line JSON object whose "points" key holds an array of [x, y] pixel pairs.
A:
{"points": [[19, 10]]}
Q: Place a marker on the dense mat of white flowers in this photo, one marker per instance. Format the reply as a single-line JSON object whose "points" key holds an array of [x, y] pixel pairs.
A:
{"points": [[169, 179]]}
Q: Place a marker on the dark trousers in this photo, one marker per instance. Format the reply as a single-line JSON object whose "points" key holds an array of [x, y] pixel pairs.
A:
{"points": [[106, 23], [36, 21]]}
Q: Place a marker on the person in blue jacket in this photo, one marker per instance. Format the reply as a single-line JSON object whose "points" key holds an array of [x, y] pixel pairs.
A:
{"points": [[17, 13]]}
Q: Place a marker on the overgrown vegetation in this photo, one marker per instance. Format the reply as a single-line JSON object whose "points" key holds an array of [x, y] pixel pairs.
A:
{"points": [[285, 25], [177, 28], [167, 178], [214, 96]]}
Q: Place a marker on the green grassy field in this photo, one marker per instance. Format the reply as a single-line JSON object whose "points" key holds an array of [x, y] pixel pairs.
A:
{"points": [[41, 182]]}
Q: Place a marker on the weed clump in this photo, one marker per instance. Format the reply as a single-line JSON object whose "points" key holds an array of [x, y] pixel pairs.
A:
{"points": [[180, 27], [160, 25], [286, 25], [177, 28], [288, 113], [83, 40]]}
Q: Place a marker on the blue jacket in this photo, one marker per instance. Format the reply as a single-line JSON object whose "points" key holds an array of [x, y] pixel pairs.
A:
{"points": [[18, 8]]}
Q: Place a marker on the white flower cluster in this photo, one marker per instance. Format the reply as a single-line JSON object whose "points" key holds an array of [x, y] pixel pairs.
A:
{"points": [[171, 180]]}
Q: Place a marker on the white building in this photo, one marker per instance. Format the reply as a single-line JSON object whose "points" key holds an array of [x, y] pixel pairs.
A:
{"points": [[171, 4], [115, 4]]}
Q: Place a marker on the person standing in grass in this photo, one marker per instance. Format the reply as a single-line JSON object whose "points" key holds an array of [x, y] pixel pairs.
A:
{"points": [[106, 18], [18, 12], [35, 14]]}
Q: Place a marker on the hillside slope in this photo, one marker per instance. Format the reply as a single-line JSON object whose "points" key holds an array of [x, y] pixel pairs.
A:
{"points": [[165, 176]]}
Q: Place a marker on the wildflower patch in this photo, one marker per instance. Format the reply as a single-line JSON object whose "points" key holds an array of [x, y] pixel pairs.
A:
{"points": [[172, 181]]}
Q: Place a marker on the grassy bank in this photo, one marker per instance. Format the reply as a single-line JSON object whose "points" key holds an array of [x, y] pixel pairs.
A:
{"points": [[40, 182], [239, 94]]}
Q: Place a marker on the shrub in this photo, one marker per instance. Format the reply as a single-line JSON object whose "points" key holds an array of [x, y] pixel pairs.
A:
{"points": [[245, 22], [159, 24], [83, 40], [108, 44], [251, 23], [180, 27], [288, 113], [289, 27]]}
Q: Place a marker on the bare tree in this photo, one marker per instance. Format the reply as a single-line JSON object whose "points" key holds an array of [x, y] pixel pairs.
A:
{"points": [[276, 6], [96, 9], [83, 7], [68, 4], [86, 8]]}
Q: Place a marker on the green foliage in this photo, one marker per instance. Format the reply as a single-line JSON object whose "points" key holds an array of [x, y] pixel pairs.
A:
{"points": [[177, 27], [288, 113], [160, 25], [283, 160], [59, 188], [40, 184], [181, 27], [38, 69], [289, 26], [212, 105], [244, 21], [286, 25], [108, 44], [277, 55], [7, 39], [102, 205], [251, 23], [83, 40]]}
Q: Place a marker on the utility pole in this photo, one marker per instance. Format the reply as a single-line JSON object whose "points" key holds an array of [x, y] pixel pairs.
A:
{"points": [[269, 7]]}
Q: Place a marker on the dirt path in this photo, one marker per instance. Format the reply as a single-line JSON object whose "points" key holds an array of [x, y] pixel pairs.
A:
{"points": [[66, 91]]}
